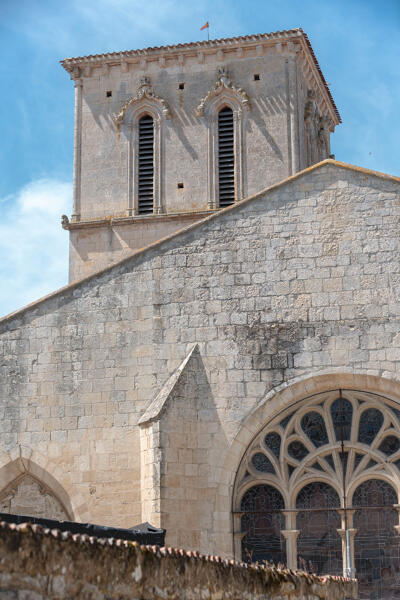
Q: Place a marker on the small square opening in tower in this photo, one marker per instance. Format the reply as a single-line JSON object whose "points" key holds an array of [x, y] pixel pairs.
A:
{"points": [[180, 186], [181, 86], [256, 77], [109, 94]]}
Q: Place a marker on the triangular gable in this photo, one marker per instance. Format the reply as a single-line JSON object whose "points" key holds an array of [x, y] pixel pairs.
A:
{"points": [[139, 254]]}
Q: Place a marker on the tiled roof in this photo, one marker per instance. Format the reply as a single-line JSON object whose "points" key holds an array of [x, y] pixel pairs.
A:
{"points": [[69, 63]]}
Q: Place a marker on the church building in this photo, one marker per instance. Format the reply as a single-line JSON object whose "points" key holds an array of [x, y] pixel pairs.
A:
{"points": [[225, 361]]}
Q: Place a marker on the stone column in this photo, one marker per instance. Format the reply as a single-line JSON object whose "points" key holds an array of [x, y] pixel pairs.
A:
{"points": [[397, 527], [76, 211], [342, 533], [291, 534]]}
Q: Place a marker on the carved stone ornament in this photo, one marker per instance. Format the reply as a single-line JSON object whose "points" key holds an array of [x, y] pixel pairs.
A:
{"points": [[64, 221], [223, 83], [145, 91]]}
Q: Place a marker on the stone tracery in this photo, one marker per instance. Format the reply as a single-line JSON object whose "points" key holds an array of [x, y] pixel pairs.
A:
{"points": [[304, 464]]}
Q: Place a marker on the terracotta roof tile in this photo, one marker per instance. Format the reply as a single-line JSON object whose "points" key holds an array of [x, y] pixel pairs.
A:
{"points": [[156, 550]]}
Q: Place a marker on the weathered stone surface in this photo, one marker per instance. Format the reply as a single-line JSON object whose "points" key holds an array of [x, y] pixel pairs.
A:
{"points": [[47, 565], [283, 118], [297, 283], [27, 497]]}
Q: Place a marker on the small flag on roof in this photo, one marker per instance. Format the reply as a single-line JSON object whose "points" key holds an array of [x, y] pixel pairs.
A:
{"points": [[206, 26]]}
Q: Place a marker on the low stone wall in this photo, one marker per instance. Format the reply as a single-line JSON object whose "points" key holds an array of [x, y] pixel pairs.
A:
{"points": [[39, 564]]}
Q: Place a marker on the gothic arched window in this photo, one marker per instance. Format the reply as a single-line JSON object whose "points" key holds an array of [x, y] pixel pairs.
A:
{"points": [[141, 122], [223, 109], [334, 461], [377, 558]]}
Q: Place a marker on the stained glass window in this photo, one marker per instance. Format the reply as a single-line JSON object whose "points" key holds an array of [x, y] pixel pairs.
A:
{"points": [[342, 414], [314, 427], [319, 545], [389, 445], [377, 544], [262, 524], [370, 423], [262, 463], [273, 442], [297, 450]]}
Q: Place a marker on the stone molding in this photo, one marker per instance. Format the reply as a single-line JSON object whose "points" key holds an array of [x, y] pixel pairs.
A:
{"points": [[224, 93], [145, 92], [22, 461], [223, 84], [144, 102]]}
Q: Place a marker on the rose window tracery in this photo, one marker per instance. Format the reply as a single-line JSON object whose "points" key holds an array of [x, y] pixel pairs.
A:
{"points": [[336, 449]]}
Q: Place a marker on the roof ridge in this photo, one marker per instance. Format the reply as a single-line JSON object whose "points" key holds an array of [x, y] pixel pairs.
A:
{"points": [[187, 45], [192, 227]]}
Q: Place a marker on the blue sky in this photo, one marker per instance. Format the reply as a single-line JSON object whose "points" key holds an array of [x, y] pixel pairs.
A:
{"points": [[357, 43]]}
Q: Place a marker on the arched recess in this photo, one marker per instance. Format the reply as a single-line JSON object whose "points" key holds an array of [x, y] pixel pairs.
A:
{"points": [[336, 440], [145, 102], [275, 403], [22, 462], [224, 94]]}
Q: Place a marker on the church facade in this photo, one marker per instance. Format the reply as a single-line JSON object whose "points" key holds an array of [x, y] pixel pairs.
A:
{"points": [[237, 381]]}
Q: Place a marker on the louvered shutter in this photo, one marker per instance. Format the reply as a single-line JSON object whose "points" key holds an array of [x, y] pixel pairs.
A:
{"points": [[146, 165], [226, 157]]}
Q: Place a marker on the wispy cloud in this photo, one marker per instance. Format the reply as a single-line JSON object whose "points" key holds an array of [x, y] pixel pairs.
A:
{"points": [[33, 247]]}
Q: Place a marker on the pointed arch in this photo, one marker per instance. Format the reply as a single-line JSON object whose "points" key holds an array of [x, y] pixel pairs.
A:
{"points": [[144, 103], [274, 403], [30, 491], [22, 461], [224, 94]]}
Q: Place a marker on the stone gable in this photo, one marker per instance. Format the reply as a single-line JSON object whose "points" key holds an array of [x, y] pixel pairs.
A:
{"points": [[299, 280]]}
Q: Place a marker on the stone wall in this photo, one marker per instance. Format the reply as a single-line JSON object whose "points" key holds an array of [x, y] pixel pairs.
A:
{"points": [[300, 280], [266, 82], [49, 565]]}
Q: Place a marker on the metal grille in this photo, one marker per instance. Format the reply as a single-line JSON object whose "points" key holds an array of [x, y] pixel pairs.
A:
{"points": [[146, 165], [319, 547], [377, 548], [226, 157], [262, 524]]}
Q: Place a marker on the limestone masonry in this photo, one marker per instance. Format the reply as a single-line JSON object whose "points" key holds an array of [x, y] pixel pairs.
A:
{"points": [[236, 382], [283, 114]]}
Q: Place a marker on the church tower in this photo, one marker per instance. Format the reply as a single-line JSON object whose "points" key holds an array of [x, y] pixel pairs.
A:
{"points": [[165, 136]]}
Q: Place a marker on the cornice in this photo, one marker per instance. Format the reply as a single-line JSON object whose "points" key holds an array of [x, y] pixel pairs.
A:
{"points": [[111, 221], [188, 48], [82, 66]]}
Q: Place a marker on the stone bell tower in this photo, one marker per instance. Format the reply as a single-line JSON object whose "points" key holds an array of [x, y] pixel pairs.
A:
{"points": [[164, 136]]}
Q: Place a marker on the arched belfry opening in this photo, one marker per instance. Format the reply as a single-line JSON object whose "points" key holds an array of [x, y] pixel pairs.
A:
{"points": [[318, 489], [146, 165], [226, 157]]}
